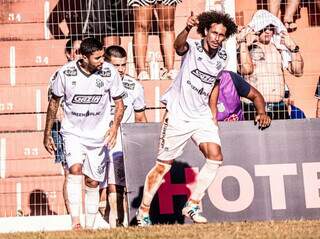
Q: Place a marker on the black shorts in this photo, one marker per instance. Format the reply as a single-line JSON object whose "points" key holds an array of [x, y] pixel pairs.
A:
{"points": [[110, 18]]}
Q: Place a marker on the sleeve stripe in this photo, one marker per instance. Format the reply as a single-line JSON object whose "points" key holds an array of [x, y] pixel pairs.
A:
{"points": [[140, 110], [119, 97]]}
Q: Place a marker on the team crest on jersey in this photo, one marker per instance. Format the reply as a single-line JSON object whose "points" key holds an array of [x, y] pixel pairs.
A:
{"points": [[199, 47], [204, 77], [222, 54], [129, 86], [105, 72], [70, 71], [99, 83], [219, 65]]}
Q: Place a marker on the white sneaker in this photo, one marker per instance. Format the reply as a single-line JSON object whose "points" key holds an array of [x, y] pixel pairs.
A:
{"points": [[143, 220], [192, 211]]}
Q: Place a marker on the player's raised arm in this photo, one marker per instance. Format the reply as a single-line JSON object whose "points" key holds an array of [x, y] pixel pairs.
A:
{"points": [[180, 44]]}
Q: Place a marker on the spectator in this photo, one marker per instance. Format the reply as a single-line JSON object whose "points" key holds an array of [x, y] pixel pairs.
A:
{"points": [[294, 111], [191, 103], [71, 53], [317, 95], [143, 11], [232, 86], [268, 45], [74, 13], [109, 20], [288, 18], [87, 86], [134, 112]]}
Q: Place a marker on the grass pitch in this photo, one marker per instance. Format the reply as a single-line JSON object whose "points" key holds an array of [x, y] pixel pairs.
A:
{"points": [[239, 230]]}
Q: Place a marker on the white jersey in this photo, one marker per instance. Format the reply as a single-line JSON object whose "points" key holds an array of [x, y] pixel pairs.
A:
{"points": [[188, 96], [133, 99], [87, 100]]}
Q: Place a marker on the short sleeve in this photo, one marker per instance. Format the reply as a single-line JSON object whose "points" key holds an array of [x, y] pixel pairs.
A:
{"points": [[117, 89], [139, 103], [243, 87], [58, 84]]}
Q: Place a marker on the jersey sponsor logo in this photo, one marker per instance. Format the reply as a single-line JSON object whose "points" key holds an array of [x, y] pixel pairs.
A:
{"points": [[199, 91], [199, 47], [105, 72], [87, 114], [204, 77], [86, 99], [222, 54], [99, 83], [129, 86], [70, 71]]}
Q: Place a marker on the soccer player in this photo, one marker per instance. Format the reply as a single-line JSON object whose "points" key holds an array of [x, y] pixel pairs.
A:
{"points": [[134, 112], [87, 86], [71, 53], [191, 103]]}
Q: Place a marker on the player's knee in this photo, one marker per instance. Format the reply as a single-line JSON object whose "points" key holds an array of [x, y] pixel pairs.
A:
{"points": [[112, 188], [76, 169], [91, 183], [216, 156]]}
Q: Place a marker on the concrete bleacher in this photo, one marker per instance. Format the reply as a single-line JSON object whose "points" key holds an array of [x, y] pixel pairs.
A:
{"points": [[29, 59]]}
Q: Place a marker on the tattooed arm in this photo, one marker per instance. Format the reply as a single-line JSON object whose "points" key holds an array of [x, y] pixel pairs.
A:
{"points": [[112, 132], [51, 116]]}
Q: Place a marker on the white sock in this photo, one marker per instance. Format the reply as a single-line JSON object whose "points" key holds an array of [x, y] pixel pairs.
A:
{"points": [[74, 192], [91, 205], [113, 215], [125, 210], [206, 176], [150, 188]]}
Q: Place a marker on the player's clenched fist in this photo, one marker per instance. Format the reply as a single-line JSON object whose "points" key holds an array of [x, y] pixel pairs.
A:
{"points": [[192, 21]]}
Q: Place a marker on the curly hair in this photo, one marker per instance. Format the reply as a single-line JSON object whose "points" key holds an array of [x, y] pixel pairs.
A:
{"points": [[206, 19]]}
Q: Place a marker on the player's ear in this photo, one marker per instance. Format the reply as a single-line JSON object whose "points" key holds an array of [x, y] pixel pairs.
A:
{"points": [[85, 58], [206, 31]]}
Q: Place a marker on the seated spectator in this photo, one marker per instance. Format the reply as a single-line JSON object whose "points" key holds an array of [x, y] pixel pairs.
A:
{"points": [[288, 18], [232, 86], [317, 95], [143, 11], [294, 111], [74, 13], [268, 45]]}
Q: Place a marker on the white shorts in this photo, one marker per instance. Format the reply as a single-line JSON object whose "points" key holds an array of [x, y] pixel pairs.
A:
{"points": [[115, 173], [91, 158], [175, 134]]}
